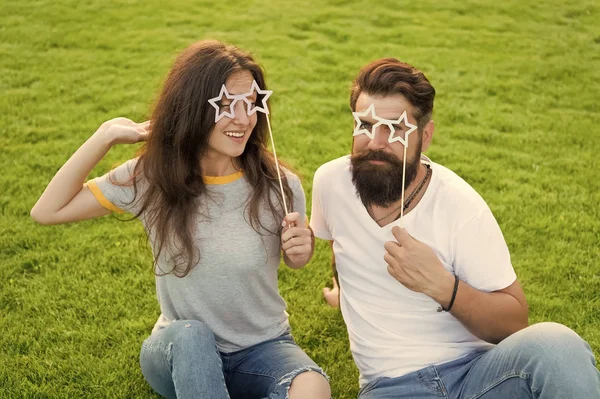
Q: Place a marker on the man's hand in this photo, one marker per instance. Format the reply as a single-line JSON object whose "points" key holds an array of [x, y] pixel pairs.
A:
{"points": [[415, 265], [296, 242], [332, 295]]}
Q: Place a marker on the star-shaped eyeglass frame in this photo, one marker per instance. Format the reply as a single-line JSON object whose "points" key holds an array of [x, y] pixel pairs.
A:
{"points": [[391, 124], [251, 107]]}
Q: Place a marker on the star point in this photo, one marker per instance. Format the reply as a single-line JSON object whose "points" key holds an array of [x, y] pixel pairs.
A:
{"points": [[358, 130], [403, 139], [266, 94], [215, 103]]}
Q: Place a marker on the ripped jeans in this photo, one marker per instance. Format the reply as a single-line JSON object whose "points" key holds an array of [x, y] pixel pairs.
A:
{"points": [[182, 361]]}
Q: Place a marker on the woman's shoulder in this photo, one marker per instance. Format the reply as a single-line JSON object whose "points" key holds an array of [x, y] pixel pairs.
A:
{"points": [[123, 173]]}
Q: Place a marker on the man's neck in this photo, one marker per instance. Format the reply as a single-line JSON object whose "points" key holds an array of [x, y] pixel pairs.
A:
{"points": [[386, 215]]}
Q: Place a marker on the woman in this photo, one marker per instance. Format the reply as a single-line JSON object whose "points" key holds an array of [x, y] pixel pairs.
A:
{"points": [[208, 196]]}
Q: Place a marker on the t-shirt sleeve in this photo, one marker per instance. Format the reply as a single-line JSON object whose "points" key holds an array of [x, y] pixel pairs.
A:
{"points": [[114, 190], [481, 257], [318, 223]]}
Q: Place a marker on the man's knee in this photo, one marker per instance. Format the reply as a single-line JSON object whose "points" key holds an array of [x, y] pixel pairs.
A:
{"points": [[310, 384], [552, 334], [552, 341]]}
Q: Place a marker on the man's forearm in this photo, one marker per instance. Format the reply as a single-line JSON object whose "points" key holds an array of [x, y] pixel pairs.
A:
{"points": [[490, 316]]}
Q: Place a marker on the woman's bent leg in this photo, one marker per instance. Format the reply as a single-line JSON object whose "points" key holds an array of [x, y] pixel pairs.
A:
{"points": [[182, 361]]}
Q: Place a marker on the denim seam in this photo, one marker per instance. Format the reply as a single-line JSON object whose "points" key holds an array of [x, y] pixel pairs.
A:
{"points": [[505, 377], [169, 355], [438, 388], [441, 384]]}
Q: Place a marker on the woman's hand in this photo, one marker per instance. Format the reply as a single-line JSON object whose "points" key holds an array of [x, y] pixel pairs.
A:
{"points": [[124, 131], [297, 243]]}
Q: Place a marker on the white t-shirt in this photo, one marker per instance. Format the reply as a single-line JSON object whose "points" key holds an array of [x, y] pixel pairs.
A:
{"points": [[394, 331]]}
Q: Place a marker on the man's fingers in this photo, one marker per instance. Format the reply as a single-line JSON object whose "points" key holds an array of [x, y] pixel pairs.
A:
{"points": [[392, 272], [390, 260], [392, 247], [335, 284], [331, 297], [401, 236], [394, 252]]}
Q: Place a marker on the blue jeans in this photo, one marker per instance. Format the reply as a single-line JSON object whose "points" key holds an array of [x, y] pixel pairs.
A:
{"points": [[182, 361], [545, 360]]}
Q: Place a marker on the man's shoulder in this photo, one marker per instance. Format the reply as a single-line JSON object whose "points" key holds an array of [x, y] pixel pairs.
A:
{"points": [[334, 167], [453, 189]]}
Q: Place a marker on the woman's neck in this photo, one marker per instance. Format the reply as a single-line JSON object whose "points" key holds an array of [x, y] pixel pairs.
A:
{"points": [[219, 165]]}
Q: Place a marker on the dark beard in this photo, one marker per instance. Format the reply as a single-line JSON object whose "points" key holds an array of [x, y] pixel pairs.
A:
{"points": [[381, 185]]}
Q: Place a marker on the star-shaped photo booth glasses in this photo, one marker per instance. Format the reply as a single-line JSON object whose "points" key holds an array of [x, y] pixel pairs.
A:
{"points": [[395, 128], [228, 110]]}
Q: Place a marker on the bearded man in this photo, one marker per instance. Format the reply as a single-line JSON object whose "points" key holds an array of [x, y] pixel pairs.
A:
{"points": [[428, 293]]}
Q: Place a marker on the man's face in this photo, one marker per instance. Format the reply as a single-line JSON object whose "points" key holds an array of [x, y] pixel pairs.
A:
{"points": [[377, 164]]}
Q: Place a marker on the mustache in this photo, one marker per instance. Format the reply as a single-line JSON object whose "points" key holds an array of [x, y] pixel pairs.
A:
{"points": [[382, 156]]}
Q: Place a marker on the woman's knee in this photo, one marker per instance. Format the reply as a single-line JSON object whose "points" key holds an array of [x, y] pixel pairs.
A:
{"points": [[187, 336], [310, 384]]}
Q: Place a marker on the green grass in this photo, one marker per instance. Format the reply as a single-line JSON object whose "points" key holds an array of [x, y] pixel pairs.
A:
{"points": [[517, 116]]}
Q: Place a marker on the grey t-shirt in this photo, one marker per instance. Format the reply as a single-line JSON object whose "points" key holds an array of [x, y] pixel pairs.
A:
{"points": [[233, 288]]}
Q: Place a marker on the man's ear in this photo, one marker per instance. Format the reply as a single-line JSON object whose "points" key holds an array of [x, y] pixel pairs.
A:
{"points": [[427, 135]]}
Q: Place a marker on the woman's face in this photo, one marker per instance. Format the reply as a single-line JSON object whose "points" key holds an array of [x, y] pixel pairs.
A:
{"points": [[230, 135]]}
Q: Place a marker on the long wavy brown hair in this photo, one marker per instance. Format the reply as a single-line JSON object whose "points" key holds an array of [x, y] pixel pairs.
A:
{"points": [[169, 162]]}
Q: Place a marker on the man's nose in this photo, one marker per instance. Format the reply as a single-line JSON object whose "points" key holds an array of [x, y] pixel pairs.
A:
{"points": [[379, 141]]}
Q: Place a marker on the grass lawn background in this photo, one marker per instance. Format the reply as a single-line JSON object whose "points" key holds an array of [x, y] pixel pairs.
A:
{"points": [[516, 114]]}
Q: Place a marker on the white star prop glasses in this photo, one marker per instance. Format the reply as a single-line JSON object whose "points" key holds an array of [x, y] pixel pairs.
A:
{"points": [[250, 109], [396, 133], [215, 102]]}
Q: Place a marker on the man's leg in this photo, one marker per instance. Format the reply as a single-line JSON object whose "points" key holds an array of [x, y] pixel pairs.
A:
{"points": [[428, 383], [181, 361], [546, 360]]}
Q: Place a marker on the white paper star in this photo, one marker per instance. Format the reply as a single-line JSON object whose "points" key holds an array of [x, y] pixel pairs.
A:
{"points": [[390, 124], [266, 93], [243, 97], [215, 103], [358, 130]]}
